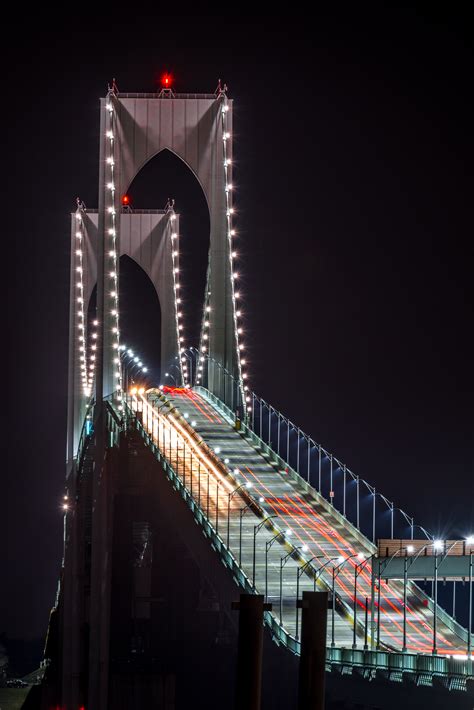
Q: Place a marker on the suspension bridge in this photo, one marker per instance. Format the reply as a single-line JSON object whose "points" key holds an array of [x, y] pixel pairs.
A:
{"points": [[282, 514]]}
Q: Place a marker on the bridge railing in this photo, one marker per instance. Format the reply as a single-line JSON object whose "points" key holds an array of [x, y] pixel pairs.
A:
{"points": [[357, 530]]}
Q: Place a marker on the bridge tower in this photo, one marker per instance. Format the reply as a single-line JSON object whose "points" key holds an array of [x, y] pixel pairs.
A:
{"points": [[133, 129]]}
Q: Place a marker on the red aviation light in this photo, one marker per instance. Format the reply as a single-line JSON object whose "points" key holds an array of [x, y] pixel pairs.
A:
{"points": [[166, 81], [125, 200]]}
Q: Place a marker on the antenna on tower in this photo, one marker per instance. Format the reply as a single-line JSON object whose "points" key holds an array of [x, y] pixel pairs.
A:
{"points": [[114, 88], [221, 89]]}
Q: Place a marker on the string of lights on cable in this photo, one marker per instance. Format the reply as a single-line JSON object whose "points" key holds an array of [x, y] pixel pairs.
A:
{"points": [[177, 293], [207, 320], [80, 310], [204, 330], [111, 232], [128, 360]]}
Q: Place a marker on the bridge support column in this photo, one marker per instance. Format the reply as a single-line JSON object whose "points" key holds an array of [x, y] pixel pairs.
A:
{"points": [[248, 687], [314, 615]]}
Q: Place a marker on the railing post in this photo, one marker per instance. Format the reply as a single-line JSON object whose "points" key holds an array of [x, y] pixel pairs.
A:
{"points": [[320, 467], [366, 623], [405, 580], [344, 492], [373, 518], [278, 433], [435, 605], [309, 461], [378, 608], [184, 466], [298, 451], [169, 427], [199, 482], [354, 626], [358, 502], [288, 442], [469, 627], [372, 604], [331, 483], [190, 470]]}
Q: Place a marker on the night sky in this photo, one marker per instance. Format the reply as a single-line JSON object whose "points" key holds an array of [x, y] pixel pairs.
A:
{"points": [[353, 150]]}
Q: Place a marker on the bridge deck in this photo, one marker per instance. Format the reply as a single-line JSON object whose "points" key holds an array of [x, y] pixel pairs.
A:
{"points": [[312, 524]]}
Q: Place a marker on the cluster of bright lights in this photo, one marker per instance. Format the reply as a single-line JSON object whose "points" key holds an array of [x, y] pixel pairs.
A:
{"points": [[177, 297], [111, 232], [80, 319], [439, 545], [133, 359], [92, 347], [203, 346]]}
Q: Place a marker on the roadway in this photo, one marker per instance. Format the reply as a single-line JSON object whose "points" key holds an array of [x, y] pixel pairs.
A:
{"points": [[308, 523]]}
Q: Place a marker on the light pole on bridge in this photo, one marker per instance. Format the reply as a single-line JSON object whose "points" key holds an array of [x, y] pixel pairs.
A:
{"points": [[256, 529], [241, 514], [335, 572], [268, 545], [167, 374], [357, 570], [283, 561], [299, 573], [230, 495]]}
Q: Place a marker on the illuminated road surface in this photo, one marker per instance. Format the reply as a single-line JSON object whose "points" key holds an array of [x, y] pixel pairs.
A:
{"points": [[310, 525]]}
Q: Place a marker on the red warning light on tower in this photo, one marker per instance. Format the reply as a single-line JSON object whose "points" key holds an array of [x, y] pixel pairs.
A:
{"points": [[166, 81], [125, 200]]}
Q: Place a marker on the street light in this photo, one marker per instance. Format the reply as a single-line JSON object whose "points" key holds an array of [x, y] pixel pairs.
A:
{"points": [[283, 561], [268, 545], [256, 529], [438, 545], [230, 495], [189, 360], [409, 549], [241, 513], [299, 572], [217, 507], [357, 570], [167, 374], [469, 628], [335, 572]]}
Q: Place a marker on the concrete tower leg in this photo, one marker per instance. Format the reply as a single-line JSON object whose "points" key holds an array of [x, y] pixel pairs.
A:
{"points": [[313, 650], [248, 687]]}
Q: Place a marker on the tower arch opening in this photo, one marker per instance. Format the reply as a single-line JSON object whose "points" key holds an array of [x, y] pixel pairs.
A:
{"points": [[166, 175], [140, 316]]}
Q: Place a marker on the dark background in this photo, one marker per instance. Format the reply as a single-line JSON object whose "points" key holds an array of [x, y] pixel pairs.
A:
{"points": [[353, 150]]}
